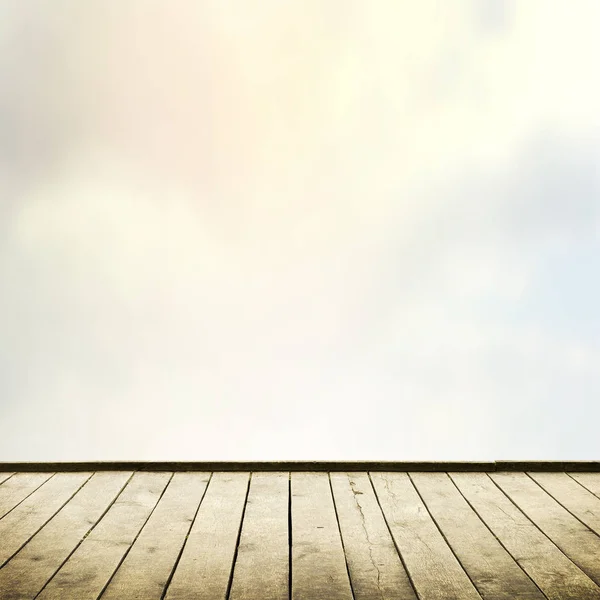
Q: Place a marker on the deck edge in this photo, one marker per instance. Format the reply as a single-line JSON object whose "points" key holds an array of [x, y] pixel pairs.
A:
{"points": [[432, 466]]}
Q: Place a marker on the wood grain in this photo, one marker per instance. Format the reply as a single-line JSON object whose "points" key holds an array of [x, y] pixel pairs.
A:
{"points": [[262, 565], [301, 535], [206, 564], [17, 488], [146, 570], [576, 540], [552, 571], [433, 568], [574, 497], [91, 566], [590, 481], [31, 568], [318, 563], [22, 523], [376, 570], [5, 476], [492, 569]]}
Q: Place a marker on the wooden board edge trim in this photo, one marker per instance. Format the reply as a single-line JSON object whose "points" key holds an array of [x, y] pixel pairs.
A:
{"points": [[327, 466]]}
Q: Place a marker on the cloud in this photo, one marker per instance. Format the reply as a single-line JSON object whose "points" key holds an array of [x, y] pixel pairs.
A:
{"points": [[285, 231], [493, 15], [437, 330], [490, 301]]}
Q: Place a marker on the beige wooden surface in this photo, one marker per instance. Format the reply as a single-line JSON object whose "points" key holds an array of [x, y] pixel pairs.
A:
{"points": [[148, 566], [262, 564], [557, 576], [493, 570], [90, 567], [432, 566], [342, 535], [591, 481], [318, 563], [27, 573], [26, 519], [579, 501], [376, 570], [16, 488], [206, 564], [573, 537]]}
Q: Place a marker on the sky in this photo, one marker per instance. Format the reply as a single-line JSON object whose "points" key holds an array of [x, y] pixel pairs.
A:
{"points": [[305, 230]]}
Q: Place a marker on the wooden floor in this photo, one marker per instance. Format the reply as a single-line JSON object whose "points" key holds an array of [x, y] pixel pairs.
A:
{"points": [[301, 535]]}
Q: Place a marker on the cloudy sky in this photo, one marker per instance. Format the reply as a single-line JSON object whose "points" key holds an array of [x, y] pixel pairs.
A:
{"points": [[254, 229]]}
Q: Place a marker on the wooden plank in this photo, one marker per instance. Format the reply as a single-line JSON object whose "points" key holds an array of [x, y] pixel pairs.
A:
{"points": [[19, 525], [549, 465], [590, 481], [553, 572], [205, 566], [433, 568], [146, 570], [322, 466], [576, 540], [90, 567], [318, 563], [376, 570], [491, 568], [574, 497], [31, 568], [5, 476], [17, 488], [256, 466], [262, 566]]}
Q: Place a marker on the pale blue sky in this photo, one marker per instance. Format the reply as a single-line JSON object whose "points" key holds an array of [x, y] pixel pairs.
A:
{"points": [[314, 231]]}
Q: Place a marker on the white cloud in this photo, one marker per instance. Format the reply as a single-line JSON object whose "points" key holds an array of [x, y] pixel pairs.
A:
{"points": [[316, 236]]}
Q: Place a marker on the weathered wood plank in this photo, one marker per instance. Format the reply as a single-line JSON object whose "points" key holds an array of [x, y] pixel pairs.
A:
{"points": [[31, 568], [90, 567], [256, 466], [590, 481], [5, 476], [205, 566], [146, 570], [294, 465], [261, 570], [488, 524], [318, 563], [492, 569], [552, 571], [376, 570], [576, 540], [574, 497], [433, 568], [17, 488], [549, 465], [19, 525]]}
